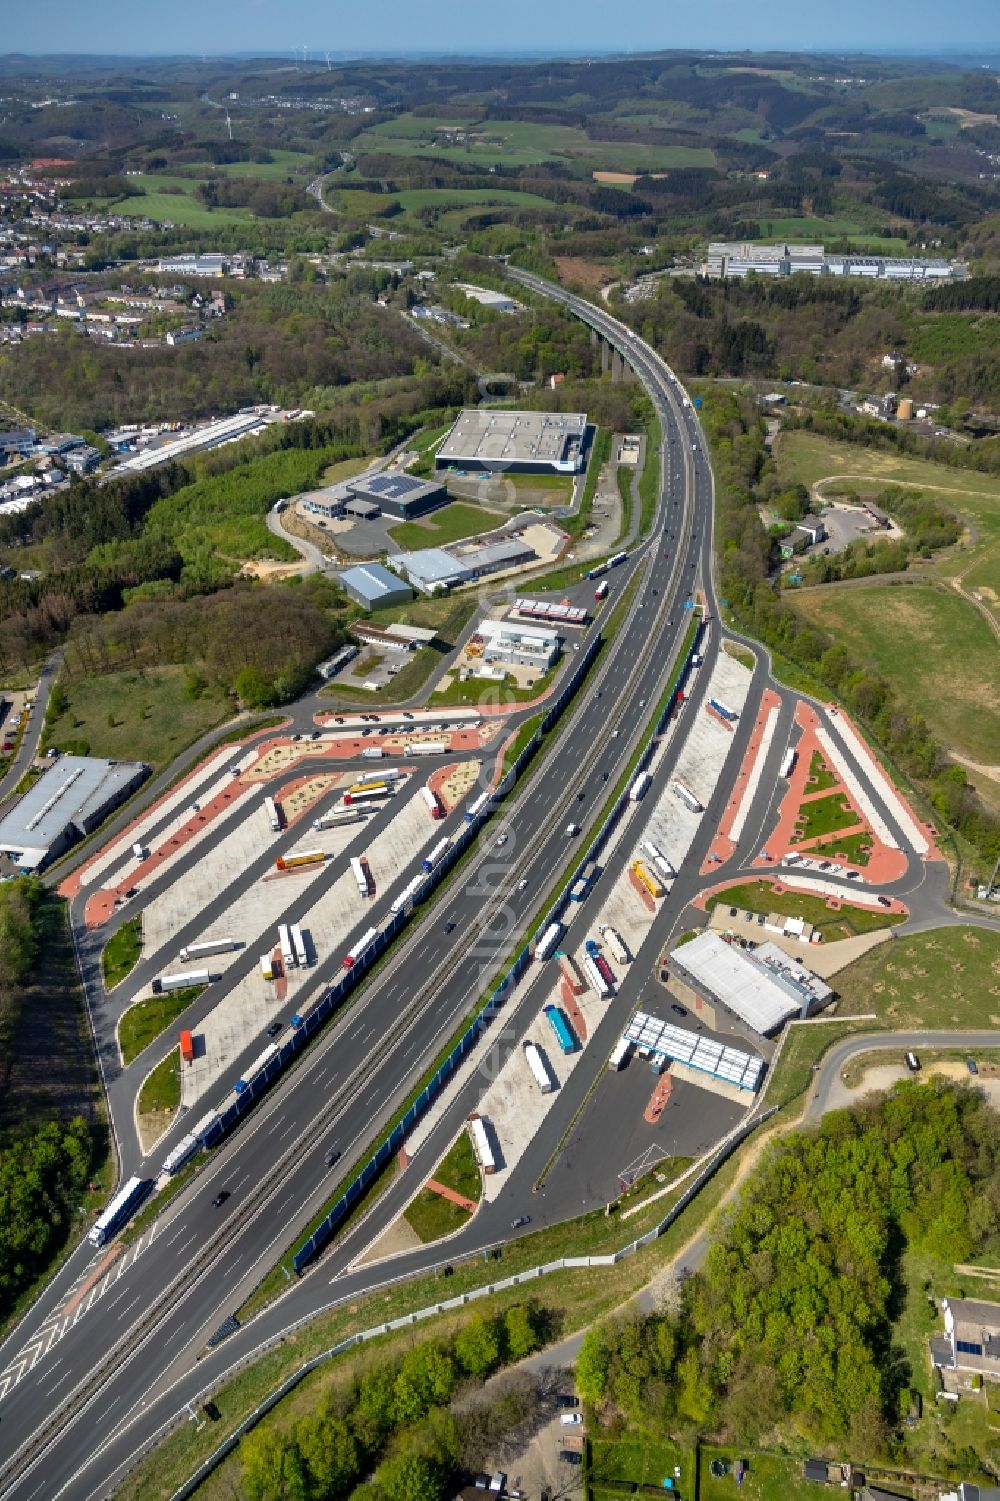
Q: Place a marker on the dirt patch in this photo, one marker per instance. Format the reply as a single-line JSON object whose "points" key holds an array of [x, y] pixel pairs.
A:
{"points": [[258, 568], [575, 267]]}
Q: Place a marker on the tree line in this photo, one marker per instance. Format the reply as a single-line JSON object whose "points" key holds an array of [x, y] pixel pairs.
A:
{"points": [[395, 1433]]}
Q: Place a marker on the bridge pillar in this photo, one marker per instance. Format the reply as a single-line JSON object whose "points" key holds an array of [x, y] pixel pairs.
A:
{"points": [[617, 366], [604, 357]]}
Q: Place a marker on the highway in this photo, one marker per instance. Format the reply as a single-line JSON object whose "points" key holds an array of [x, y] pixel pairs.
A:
{"points": [[78, 1412]]}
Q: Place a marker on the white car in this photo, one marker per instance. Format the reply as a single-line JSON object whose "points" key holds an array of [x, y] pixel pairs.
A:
{"points": [[570, 1419], [502, 840]]}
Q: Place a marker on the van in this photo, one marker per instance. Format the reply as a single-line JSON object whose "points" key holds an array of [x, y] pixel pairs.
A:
{"points": [[913, 1063]]}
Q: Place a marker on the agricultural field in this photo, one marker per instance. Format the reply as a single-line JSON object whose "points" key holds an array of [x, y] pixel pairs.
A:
{"points": [[892, 628], [179, 208], [521, 143]]}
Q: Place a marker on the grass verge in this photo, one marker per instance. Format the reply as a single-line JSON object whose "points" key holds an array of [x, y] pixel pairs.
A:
{"points": [[161, 1089], [431, 1215], [845, 922], [121, 952], [142, 1023]]}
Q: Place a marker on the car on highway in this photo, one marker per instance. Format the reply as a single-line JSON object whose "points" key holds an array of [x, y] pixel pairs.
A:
{"points": [[449, 927], [522, 884], [332, 1156], [221, 1198], [522, 1219], [274, 1029], [502, 841]]}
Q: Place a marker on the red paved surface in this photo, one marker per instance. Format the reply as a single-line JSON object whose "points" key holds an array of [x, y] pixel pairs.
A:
{"points": [[659, 1100], [645, 896], [884, 864], [722, 845], [102, 903], [449, 1193], [72, 884], [573, 1011], [108, 1259], [719, 718], [278, 971], [436, 782]]}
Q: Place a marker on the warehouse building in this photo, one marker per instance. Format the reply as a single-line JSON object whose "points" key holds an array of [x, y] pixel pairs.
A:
{"points": [[368, 496], [72, 797], [434, 570], [763, 987], [739, 259], [373, 587], [515, 645], [498, 442], [402, 495]]}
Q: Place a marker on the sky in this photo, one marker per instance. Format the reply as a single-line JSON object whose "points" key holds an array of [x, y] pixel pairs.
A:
{"points": [[142, 27]]}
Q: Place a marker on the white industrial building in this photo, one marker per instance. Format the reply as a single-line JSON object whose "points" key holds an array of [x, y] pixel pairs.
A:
{"points": [[738, 259], [515, 645], [434, 570], [500, 302], [763, 987], [487, 438], [72, 797]]}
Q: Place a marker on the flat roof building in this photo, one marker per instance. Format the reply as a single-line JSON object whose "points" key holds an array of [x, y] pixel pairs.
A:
{"points": [[763, 987], [433, 570], [369, 495], [518, 442], [517, 645], [70, 799], [398, 494], [373, 587], [738, 259]]}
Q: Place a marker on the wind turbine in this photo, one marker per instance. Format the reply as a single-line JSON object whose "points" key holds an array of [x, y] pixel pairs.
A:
{"points": [[328, 68], [229, 123]]}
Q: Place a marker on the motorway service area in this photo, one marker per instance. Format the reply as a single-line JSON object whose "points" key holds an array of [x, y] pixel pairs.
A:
{"points": [[363, 934]]}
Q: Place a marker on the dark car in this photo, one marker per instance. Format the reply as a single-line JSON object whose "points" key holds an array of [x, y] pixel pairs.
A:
{"points": [[565, 1399], [449, 927], [221, 1198], [972, 1065], [522, 1219], [274, 1029], [569, 1458], [678, 1009], [332, 1156]]}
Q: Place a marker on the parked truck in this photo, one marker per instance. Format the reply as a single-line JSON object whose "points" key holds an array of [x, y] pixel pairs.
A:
{"points": [[614, 941], [637, 791], [207, 946], [687, 797], [603, 590], [481, 1144], [559, 1023], [307, 857], [539, 1070], [431, 802], [548, 940], [164, 983]]}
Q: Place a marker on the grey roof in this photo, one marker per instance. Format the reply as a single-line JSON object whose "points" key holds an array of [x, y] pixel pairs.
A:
{"points": [[510, 550], [970, 1313], [71, 794], [432, 564], [760, 994], [372, 580], [393, 487], [488, 435]]}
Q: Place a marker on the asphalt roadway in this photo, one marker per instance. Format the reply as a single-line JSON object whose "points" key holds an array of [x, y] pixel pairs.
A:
{"points": [[98, 1398], [275, 1180]]}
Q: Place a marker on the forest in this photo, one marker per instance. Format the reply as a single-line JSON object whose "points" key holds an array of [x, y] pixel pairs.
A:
{"points": [[789, 1328], [405, 1430]]}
